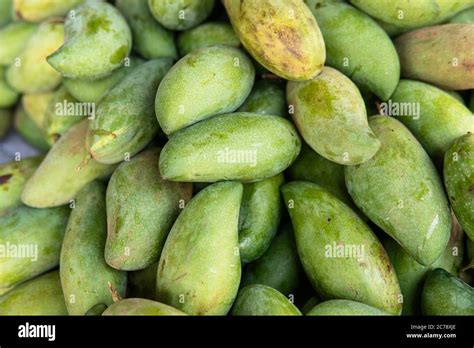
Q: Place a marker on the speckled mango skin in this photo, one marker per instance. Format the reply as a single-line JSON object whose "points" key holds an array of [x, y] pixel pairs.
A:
{"points": [[13, 37], [279, 267], [459, 180], [41, 228], [442, 118], [34, 74], [141, 209], [466, 17], [39, 296], [142, 283], [400, 191], [281, 35], [319, 219], [180, 14], [199, 269], [260, 299], [208, 81], [6, 117], [125, 121], [39, 10], [344, 307], [330, 114], [149, 38], [267, 98], [8, 96], [85, 276], [97, 41], [205, 35], [259, 217], [444, 294], [36, 105], [13, 176], [140, 306], [198, 153], [5, 12], [28, 129], [368, 58], [421, 50], [65, 170]]}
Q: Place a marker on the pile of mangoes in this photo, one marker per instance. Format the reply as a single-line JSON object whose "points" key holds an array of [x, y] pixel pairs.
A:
{"points": [[242, 157]]}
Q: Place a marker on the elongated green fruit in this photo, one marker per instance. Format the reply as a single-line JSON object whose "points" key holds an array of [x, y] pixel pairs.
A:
{"points": [[97, 41], [36, 105], [8, 96], [202, 253], [262, 300], [66, 169], [330, 114], [336, 248], [141, 208], [85, 277], [217, 80], [344, 307], [38, 296], [28, 129], [125, 122], [140, 306], [281, 35], [466, 16], [240, 146], [267, 97], [30, 243], [39, 10], [97, 310], [400, 190], [5, 12]]}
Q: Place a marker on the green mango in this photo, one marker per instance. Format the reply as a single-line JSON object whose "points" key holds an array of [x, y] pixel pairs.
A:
{"points": [[142, 283], [466, 16], [330, 114], [180, 14], [125, 120], [150, 39], [36, 106], [241, 146], [30, 241], [205, 35], [344, 307], [66, 169], [141, 306], [267, 97], [39, 296], [260, 299], [279, 267], [337, 248], [259, 217], [97, 41], [30, 72], [199, 269], [459, 180], [141, 209], [14, 37], [85, 276], [28, 129], [282, 35], [400, 191], [369, 58], [97, 310], [309, 304], [3, 291], [6, 117], [218, 79], [434, 117], [8, 96], [39, 10], [445, 294], [5, 12], [13, 176]]}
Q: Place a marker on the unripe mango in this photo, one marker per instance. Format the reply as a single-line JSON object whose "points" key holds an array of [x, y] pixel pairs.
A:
{"points": [[140, 306], [36, 105], [344, 307], [13, 37], [8, 96], [5, 12], [466, 16], [267, 97], [28, 129], [39, 10]]}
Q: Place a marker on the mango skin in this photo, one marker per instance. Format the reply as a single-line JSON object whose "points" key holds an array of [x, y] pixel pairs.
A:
{"points": [[203, 152], [66, 169], [36, 105], [442, 118], [85, 277], [30, 73], [205, 35], [13, 38], [260, 299], [267, 98], [400, 191], [344, 307], [279, 267], [466, 17], [319, 219], [29, 131], [39, 296], [357, 56], [8, 96], [206, 82], [149, 38], [5, 12], [6, 117], [39, 10], [97, 310], [330, 114], [142, 283], [437, 46], [281, 35], [13, 176], [199, 269], [459, 180], [444, 294], [180, 14], [42, 228], [97, 41], [140, 306], [141, 209]]}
